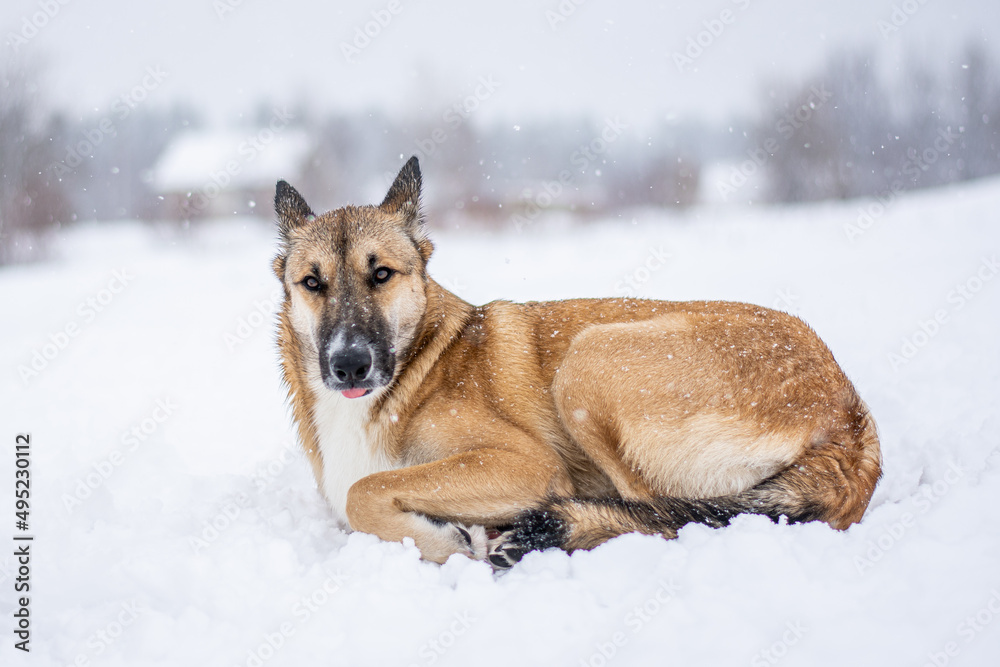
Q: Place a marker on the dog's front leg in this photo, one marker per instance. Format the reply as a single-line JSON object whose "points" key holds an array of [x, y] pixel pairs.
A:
{"points": [[432, 502]]}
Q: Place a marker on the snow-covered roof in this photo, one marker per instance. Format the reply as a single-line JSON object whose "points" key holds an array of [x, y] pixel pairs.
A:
{"points": [[248, 159], [732, 182]]}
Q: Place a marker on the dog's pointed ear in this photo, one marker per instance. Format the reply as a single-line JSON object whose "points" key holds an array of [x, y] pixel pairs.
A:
{"points": [[291, 208], [404, 197]]}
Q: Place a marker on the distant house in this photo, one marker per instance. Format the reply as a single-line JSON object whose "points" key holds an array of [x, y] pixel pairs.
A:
{"points": [[733, 183], [205, 174]]}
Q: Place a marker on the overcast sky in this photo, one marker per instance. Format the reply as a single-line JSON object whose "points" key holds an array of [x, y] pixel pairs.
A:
{"points": [[606, 58]]}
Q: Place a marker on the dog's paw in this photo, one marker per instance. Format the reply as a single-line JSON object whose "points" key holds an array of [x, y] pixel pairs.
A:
{"points": [[438, 540], [502, 551], [475, 540]]}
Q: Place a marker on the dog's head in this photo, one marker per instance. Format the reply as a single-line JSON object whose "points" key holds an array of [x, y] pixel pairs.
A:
{"points": [[355, 282]]}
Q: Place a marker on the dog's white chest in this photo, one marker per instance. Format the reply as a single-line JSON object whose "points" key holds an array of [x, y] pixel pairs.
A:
{"points": [[347, 445]]}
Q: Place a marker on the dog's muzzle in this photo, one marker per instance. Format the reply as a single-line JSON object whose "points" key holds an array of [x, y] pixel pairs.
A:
{"points": [[356, 368], [351, 366]]}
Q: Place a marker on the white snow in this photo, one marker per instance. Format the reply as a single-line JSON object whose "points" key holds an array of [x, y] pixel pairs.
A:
{"points": [[196, 534]]}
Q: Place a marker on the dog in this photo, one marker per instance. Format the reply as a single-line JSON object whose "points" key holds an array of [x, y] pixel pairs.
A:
{"points": [[494, 430]]}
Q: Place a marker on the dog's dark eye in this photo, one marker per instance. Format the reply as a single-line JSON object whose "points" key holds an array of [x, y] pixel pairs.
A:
{"points": [[312, 284], [382, 275]]}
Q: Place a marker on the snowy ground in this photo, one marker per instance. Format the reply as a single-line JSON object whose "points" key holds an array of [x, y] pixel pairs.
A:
{"points": [[177, 524]]}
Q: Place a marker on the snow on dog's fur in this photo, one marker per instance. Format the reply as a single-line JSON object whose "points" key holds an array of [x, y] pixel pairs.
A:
{"points": [[497, 429]]}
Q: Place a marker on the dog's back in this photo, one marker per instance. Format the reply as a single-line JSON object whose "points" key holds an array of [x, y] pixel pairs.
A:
{"points": [[496, 429]]}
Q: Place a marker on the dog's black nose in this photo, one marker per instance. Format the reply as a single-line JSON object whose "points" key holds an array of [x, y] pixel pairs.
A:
{"points": [[352, 364]]}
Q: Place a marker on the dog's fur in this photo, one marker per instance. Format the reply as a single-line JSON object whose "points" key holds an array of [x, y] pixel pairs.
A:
{"points": [[492, 430]]}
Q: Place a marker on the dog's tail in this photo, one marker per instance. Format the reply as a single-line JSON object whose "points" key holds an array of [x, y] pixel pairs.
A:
{"points": [[832, 482]]}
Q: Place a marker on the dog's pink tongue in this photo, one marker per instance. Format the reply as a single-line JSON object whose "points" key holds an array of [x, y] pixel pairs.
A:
{"points": [[354, 393]]}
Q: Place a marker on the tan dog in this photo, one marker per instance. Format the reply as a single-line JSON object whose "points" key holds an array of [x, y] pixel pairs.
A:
{"points": [[493, 430]]}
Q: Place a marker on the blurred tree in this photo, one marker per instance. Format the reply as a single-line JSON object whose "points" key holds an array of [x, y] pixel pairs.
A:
{"points": [[32, 200], [827, 134], [848, 133], [105, 161], [979, 90]]}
